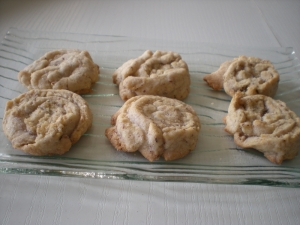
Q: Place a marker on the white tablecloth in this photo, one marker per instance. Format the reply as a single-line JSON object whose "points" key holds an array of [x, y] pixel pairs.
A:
{"points": [[26, 199]]}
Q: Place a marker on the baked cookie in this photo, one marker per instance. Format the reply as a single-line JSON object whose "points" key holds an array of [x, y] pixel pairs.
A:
{"points": [[46, 122], [159, 73], [265, 124], [156, 126], [246, 74], [69, 69]]}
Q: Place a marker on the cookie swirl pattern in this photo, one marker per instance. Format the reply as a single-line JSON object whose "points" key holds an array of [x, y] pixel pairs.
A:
{"points": [[250, 75], [264, 124], [159, 73], [46, 122], [156, 126], [68, 69]]}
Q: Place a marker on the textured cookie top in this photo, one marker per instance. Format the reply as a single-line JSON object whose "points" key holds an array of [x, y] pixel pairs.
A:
{"points": [[69, 69], [46, 122], [265, 124], [252, 76], [156, 126], [159, 73], [245, 74]]}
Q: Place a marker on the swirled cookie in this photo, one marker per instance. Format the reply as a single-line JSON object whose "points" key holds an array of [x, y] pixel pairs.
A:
{"points": [[265, 124], [159, 73], [69, 69], [155, 126], [46, 122], [246, 74]]}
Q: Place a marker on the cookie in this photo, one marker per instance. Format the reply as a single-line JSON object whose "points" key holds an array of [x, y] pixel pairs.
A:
{"points": [[68, 69], [155, 126], [215, 79], [159, 73], [46, 122], [245, 74], [265, 124]]}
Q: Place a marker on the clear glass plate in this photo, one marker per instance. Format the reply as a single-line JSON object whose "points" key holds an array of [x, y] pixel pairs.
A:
{"points": [[216, 158]]}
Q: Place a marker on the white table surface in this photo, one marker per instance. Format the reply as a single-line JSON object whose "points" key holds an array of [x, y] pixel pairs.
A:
{"points": [[26, 199]]}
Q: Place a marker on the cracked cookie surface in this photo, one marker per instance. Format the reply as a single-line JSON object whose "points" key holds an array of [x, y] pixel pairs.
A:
{"points": [[159, 73], [250, 75], [46, 122], [68, 69], [264, 124], [155, 126]]}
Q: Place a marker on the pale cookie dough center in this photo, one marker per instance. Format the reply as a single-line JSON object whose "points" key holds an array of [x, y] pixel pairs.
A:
{"points": [[167, 116], [260, 118], [59, 118], [255, 74], [159, 69]]}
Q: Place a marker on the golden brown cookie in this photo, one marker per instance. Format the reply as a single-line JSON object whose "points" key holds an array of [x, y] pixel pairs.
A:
{"points": [[246, 74], [46, 122], [159, 73], [215, 79], [155, 126], [265, 124], [68, 69]]}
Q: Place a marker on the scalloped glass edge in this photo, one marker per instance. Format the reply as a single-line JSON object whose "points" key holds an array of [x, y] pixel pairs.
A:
{"points": [[37, 42]]}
